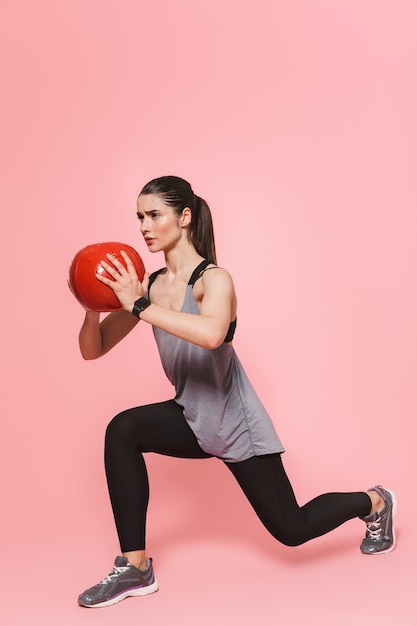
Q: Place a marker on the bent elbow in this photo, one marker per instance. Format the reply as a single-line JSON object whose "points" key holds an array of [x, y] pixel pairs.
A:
{"points": [[213, 341], [89, 356]]}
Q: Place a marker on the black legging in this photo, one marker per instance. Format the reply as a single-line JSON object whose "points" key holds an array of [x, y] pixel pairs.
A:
{"points": [[162, 428]]}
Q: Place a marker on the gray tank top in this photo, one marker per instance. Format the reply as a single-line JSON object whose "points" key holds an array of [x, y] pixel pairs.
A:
{"points": [[218, 400]]}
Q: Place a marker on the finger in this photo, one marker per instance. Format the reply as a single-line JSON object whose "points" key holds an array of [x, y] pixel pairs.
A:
{"points": [[129, 263], [105, 280], [109, 269], [119, 266], [145, 282]]}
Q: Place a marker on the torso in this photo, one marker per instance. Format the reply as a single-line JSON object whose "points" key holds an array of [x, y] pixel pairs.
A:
{"points": [[169, 292], [217, 398]]}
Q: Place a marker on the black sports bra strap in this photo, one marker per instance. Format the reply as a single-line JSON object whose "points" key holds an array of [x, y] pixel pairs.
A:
{"points": [[153, 276], [198, 270], [196, 273]]}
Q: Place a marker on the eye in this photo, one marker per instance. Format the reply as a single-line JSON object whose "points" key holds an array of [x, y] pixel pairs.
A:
{"points": [[154, 215], [139, 216]]}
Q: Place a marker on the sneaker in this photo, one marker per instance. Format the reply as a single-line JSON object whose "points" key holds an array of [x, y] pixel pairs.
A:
{"points": [[380, 535], [124, 580]]}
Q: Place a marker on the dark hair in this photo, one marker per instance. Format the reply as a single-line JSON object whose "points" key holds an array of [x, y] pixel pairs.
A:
{"points": [[176, 192]]}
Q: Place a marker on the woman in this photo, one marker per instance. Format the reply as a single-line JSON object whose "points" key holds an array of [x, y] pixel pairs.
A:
{"points": [[191, 304]]}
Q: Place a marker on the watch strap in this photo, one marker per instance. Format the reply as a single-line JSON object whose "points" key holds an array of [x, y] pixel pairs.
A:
{"points": [[140, 305]]}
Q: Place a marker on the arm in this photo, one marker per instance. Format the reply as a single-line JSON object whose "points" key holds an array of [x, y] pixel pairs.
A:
{"points": [[97, 338], [217, 309], [217, 304]]}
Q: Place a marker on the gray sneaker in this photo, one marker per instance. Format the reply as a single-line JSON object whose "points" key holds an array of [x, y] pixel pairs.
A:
{"points": [[380, 534], [124, 580]]}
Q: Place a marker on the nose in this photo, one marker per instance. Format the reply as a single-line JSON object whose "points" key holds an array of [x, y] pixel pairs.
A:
{"points": [[144, 226]]}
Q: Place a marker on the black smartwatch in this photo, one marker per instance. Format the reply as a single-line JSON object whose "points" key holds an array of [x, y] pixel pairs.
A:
{"points": [[139, 306]]}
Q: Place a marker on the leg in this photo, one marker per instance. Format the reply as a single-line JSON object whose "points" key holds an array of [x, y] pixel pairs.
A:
{"points": [[154, 428], [159, 428], [266, 485]]}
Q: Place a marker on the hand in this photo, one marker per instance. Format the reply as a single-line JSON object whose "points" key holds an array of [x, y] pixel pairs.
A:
{"points": [[125, 284]]}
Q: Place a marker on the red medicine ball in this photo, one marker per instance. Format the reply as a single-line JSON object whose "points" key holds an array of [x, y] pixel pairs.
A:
{"points": [[88, 290]]}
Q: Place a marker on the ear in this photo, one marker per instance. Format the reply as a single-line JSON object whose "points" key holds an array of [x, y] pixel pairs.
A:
{"points": [[185, 219]]}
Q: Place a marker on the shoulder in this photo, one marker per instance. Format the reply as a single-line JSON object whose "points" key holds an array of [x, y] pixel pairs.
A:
{"points": [[215, 273], [215, 293], [213, 279]]}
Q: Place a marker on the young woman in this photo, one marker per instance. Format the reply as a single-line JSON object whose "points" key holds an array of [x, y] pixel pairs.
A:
{"points": [[191, 305]]}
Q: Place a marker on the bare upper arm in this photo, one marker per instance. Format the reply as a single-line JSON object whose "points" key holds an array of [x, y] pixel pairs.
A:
{"points": [[215, 293]]}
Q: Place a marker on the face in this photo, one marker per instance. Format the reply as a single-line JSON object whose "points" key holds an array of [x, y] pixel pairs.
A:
{"points": [[160, 226]]}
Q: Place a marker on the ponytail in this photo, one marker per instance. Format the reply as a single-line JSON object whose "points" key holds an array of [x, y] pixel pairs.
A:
{"points": [[177, 193], [202, 234]]}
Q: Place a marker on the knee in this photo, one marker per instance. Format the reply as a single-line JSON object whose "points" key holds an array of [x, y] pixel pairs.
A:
{"points": [[291, 540], [291, 536], [118, 430]]}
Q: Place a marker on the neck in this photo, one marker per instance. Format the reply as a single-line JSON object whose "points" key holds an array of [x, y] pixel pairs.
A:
{"points": [[183, 258]]}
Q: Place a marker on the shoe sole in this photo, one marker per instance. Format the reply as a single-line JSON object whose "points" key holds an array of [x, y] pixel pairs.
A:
{"points": [[394, 511], [142, 591]]}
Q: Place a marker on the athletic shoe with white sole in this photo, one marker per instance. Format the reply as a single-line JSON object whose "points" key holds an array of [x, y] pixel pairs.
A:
{"points": [[380, 534], [124, 580]]}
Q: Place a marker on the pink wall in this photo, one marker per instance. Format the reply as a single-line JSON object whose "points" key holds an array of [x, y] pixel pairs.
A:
{"points": [[296, 121]]}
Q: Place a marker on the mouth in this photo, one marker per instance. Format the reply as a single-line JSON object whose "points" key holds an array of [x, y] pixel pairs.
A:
{"points": [[149, 240]]}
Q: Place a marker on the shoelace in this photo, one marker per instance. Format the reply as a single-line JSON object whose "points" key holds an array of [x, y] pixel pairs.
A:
{"points": [[113, 574], [374, 530]]}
